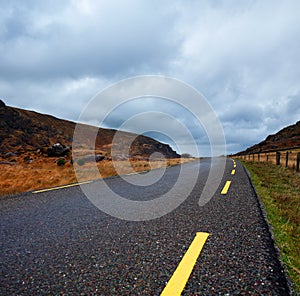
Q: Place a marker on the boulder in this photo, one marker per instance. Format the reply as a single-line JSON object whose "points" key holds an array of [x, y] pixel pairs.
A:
{"points": [[58, 150]]}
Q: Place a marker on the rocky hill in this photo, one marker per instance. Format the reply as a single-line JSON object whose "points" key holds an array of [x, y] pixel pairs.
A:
{"points": [[288, 137], [23, 130]]}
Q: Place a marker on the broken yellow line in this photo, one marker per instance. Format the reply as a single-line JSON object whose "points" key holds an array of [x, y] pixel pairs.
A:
{"points": [[232, 172], [226, 187], [183, 271], [60, 187]]}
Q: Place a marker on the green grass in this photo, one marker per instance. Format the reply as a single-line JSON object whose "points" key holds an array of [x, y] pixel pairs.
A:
{"points": [[279, 190]]}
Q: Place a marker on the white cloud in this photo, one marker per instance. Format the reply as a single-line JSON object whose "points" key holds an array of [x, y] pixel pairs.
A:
{"points": [[245, 58], [104, 39]]}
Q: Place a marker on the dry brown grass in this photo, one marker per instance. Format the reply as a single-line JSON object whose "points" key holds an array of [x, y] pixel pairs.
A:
{"points": [[22, 177], [43, 172]]}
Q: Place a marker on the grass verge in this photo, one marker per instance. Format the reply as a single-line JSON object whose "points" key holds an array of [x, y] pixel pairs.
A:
{"points": [[279, 190]]}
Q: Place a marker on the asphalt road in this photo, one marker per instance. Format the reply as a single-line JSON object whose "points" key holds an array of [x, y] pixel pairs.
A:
{"points": [[58, 243]]}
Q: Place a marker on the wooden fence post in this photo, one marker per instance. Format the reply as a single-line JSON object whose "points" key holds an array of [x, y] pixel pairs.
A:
{"points": [[258, 157], [286, 159], [277, 158], [267, 158], [298, 161]]}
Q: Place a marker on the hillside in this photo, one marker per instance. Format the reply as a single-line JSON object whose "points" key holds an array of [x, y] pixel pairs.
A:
{"points": [[288, 137], [23, 130]]}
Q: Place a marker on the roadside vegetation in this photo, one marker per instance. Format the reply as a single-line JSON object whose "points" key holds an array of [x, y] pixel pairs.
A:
{"points": [[279, 190], [37, 172]]}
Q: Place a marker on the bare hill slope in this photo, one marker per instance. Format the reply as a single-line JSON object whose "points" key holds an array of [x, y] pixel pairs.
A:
{"points": [[23, 130], [286, 138]]}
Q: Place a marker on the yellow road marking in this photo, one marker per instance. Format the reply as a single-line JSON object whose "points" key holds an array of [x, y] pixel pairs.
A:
{"points": [[234, 163], [183, 271], [232, 172], [226, 187], [60, 187]]}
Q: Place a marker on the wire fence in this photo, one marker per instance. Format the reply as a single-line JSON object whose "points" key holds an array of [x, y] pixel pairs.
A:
{"points": [[289, 157]]}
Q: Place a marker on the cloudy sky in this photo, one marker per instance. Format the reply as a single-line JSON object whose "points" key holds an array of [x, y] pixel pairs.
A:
{"points": [[243, 56]]}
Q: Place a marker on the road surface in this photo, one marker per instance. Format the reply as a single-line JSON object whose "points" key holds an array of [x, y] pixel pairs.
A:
{"points": [[58, 243]]}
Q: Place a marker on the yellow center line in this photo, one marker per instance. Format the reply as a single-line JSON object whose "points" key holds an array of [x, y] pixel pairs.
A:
{"points": [[232, 172], [226, 187], [60, 187], [234, 165], [183, 271]]}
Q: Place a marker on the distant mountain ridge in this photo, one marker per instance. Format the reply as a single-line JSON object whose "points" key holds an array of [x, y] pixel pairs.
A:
{"points": [[286, 138], [29, 130]]}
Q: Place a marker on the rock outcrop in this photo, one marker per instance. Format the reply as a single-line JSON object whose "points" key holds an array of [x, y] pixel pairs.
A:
{"points": [[58, 150]]}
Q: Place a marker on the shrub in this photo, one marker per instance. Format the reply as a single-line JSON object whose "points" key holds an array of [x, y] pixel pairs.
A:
{"points": [[61, 162], [27, 158]]}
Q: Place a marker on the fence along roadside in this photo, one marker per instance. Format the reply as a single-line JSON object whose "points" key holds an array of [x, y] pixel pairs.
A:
{"points": [[289, 157]]}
